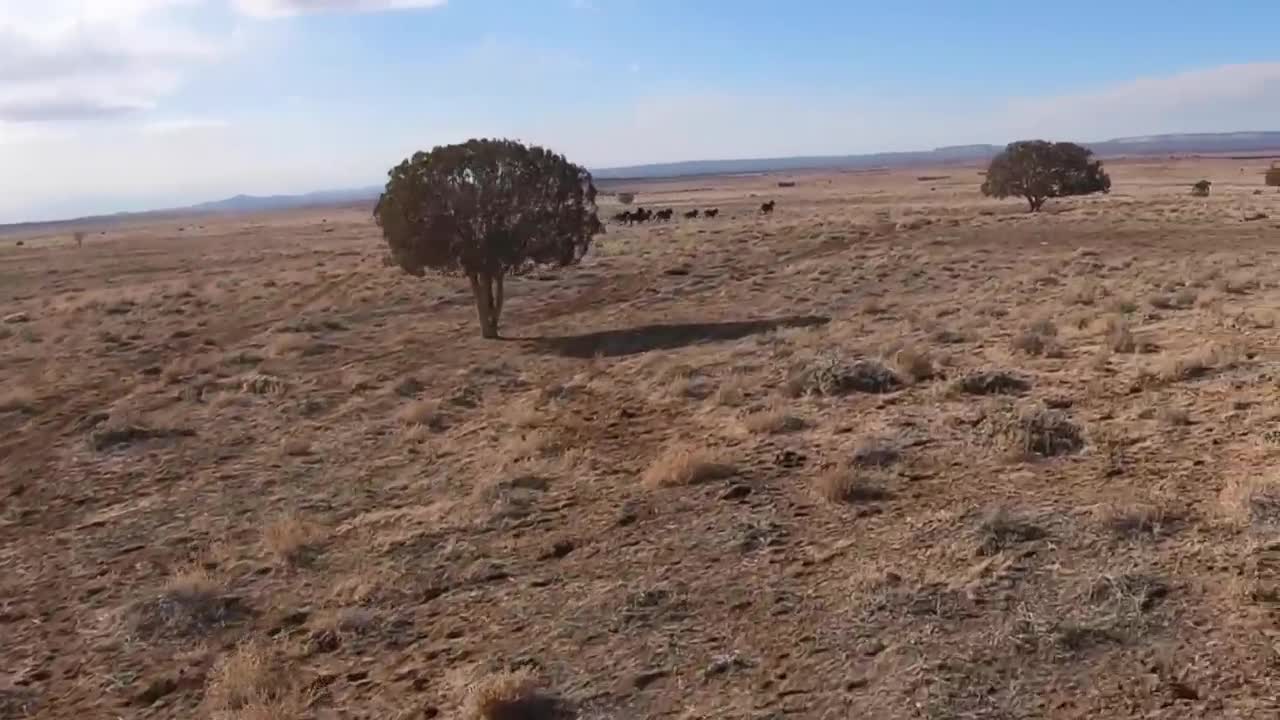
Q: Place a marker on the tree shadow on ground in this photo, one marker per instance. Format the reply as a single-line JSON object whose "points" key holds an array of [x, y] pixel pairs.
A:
{"points": [[632, 341]]}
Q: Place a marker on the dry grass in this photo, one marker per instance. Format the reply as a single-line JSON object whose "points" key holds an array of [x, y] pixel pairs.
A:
{"points": [[1084, 291], [1036, 430], [189, 603], [509, 695], [295, 447], [1252, 501], [1003, 528], [17, 400], [262, 384], [912, 363], [1040, 339], [851, 485], [1134, 519], [424, 413], [772, 421], [288, 344], [732, 391], [681, 465], [291, 539], [251, 684], [1198, 362]]}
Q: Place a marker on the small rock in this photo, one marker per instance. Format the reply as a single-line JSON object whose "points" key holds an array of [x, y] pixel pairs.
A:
{"points": [[15, 318], [156, 690], [871, 648], [647, 678], [557, 550], [722, 664]]}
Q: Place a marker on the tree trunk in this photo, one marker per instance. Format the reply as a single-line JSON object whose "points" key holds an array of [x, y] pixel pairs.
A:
{"points": [[482, 290], [499, 296]]}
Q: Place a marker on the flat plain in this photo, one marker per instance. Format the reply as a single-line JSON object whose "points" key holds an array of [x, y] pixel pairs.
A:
{"points": [[893, 451]]}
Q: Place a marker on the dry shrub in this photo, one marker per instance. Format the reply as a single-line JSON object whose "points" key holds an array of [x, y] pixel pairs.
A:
{"points": [[510, 695], [912, 363], [1040, 338], [190, 602], [772, 421], [1036, 431], [1132, 520], [830, 375], [1199, 362], [425, 413], [1083, 291], [1174, 416], [1043, 326], [875, 453], [261, 384], [291, 539], [251, 683], [686, 466], [1239, 283], [288, 344], [1252, 501], [1002, 528], [295, 447], [732, 391], [1119, 338], [850, 485], [993, 382]]}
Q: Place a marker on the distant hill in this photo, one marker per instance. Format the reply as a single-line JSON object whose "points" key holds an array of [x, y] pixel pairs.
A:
{"points": [[1177, 144], [259, 203], [1182, 144]]}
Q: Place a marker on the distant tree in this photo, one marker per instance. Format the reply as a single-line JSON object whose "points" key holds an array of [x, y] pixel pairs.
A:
{"points": [[1038, 170], [486, 209], [626, 198]]}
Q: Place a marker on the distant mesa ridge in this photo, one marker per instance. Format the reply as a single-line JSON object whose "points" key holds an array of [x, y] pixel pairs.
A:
{"points": [[1177, 144]]}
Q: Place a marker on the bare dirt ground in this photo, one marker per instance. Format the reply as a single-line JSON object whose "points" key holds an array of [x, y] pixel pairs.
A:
{"points": [[895, 451]]}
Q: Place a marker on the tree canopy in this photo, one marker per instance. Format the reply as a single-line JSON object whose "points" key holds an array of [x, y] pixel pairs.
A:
{"points": [[486, 209], [1038, 170]]}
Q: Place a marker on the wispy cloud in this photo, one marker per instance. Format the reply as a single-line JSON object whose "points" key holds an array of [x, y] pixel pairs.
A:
{"points": [[64, 60], [182, 125], [286, 8]]}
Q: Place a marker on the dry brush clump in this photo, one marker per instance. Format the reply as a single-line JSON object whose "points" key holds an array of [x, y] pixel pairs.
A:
{"points": [[1002, 528], [911, 363], [190, 603], [253, 683], [830, 375], [511, 695], [422, 413], [851, 484], [992, 382], [1252, 501], [683, 465], [775, 420], [1040, 339], [1034, 431], [1199, 362], [292, 539]]}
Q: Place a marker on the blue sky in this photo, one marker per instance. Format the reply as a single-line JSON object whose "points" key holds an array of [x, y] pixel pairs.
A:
{"points": [[112, 105]]}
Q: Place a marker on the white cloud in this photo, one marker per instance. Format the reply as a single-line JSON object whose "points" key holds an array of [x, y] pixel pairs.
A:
{"points": [[1227, 97], [182, 125], [71, 60], [285, 8]]}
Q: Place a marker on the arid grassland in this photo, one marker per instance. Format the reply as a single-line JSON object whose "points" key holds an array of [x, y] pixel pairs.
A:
{"points": [[893, 451]]}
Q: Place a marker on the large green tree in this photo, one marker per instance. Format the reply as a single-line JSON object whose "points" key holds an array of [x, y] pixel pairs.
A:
{"points": [[1038, 170], [487, 209]]}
